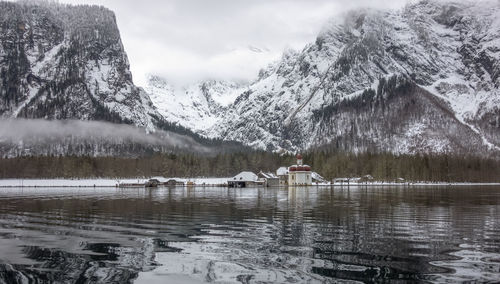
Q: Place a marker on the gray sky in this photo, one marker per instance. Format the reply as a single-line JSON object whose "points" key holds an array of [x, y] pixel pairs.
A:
{"points": [[189, 40]]}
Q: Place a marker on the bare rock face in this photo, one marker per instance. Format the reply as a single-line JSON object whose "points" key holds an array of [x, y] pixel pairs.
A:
{"points": [[66, 66], [67, 62], [423, 79]]}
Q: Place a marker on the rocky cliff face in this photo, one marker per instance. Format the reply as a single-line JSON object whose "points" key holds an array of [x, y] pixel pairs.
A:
{"points": [[422, 79], [67, 62], [425, 78]]}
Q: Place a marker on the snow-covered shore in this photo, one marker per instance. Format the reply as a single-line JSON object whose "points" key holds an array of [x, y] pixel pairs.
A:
{"points": [[100, 182], [414, 184], [103, 182]]}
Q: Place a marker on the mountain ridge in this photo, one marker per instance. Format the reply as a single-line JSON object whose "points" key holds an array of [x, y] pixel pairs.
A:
{"points": [[425, 78], [62, 63], [448, 50]]}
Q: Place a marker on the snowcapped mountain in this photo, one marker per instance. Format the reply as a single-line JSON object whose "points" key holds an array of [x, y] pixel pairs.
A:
{"points": [[425, 78], [199, 107], [63, 62], [67, 62]]}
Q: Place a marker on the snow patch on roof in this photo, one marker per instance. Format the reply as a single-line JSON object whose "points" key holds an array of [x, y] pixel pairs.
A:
{"points": [[245, 176]]}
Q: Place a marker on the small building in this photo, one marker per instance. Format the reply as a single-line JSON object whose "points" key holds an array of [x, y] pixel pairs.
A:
{"points": [[173, 182], [367, 179], [269, 179], [340, 180], [262, 175], [347, 181], [272, 182], [299, 174], [152, 183], [355, 180], [243, 179], [317, 178], [282, 174], [400, 180]]}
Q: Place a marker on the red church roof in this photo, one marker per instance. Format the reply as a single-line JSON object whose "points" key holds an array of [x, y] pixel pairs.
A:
{"points": [[298, 168]]}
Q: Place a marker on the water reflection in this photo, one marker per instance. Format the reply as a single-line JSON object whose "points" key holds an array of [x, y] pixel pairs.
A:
{"points": [[289, 235]]}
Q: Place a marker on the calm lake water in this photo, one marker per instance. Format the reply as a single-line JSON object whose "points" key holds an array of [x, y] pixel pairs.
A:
{"points": [[253, 235]]}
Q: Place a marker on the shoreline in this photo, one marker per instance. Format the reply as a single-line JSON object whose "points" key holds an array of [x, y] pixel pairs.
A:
{"points": [[195, 182]]}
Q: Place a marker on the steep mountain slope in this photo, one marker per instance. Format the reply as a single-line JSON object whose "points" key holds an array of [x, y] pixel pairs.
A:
{"points": [[67, 62], [199, 106], [425, 78], [63, 62]]}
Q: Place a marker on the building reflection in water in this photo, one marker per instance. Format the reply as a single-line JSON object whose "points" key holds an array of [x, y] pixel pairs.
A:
{"points": [[283, 234]]}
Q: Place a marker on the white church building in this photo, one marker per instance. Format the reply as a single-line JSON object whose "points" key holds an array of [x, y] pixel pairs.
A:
{"points": [[299, 174]]}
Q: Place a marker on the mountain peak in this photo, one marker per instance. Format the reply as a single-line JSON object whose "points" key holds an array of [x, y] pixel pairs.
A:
{"points": [[70, 64], [367, 60], [425, 78]]}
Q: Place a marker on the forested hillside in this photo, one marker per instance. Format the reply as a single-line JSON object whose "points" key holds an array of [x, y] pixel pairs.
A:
{"points": [[422, 79], [382, 166]]}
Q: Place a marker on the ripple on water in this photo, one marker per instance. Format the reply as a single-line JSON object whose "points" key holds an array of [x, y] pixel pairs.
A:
{"points": [[470, 264], [316, 235]]}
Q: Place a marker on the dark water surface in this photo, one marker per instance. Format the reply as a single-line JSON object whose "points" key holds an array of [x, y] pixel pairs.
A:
{"points": [[253, 235]]}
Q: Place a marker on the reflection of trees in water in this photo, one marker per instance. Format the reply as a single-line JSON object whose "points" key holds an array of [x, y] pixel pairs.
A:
{"points": [[400, 230], [392, 233]]}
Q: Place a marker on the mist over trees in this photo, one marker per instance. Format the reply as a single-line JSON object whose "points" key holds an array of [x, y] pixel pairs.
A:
{"points": [[39, 137], [68, 63], [90, 149]]}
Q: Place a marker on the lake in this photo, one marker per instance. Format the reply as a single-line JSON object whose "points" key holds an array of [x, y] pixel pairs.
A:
{"points": [[250, 235]]}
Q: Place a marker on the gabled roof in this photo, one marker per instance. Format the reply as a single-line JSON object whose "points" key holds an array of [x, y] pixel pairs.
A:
{"points": [[315, 176], [245, 176], [283, 171], [267, 175]]}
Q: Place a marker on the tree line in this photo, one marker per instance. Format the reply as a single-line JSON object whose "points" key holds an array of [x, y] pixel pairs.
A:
{"points": [[382, 166]]}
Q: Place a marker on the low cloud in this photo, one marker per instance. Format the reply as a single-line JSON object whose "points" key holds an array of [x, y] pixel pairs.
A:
{"points": [[28, 135]]}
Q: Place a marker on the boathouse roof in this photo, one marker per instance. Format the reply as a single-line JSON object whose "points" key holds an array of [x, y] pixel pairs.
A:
{"points": [[245, 176]]}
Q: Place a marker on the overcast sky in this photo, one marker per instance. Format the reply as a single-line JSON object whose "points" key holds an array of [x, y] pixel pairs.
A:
{"points": [[189, 40]]}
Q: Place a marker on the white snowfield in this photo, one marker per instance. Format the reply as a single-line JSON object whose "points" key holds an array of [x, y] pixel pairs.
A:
{"points": [[199, 106], [99, 182]]}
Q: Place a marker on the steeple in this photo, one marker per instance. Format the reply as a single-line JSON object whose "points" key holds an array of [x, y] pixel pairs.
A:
{"points": [[299, 160]]}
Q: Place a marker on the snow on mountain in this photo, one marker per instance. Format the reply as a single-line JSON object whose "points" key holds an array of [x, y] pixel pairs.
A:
{"points": [[355, 86], [425, 78], [64, 62], [67, 62], [199, 106]]}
